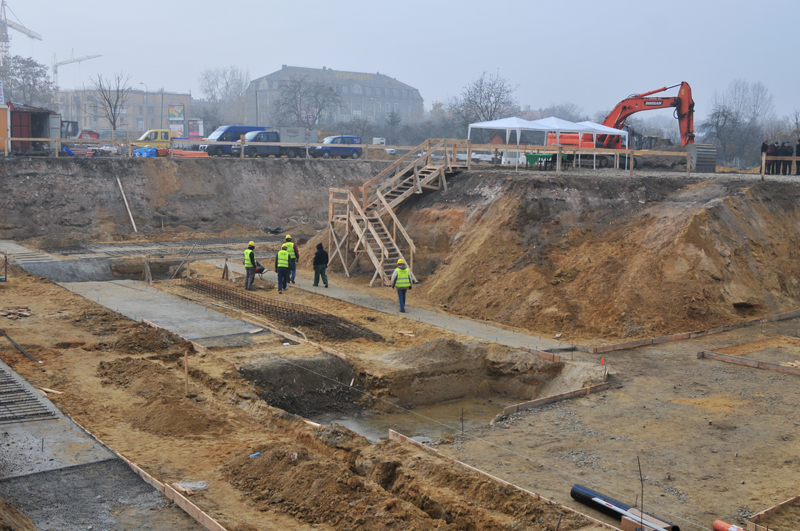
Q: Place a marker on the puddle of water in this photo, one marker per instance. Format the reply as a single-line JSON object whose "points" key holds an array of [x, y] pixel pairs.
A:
{"points": [[424, 423]]}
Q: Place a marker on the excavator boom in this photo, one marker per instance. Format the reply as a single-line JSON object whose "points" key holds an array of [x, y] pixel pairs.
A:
{"points": [[683, 103]]}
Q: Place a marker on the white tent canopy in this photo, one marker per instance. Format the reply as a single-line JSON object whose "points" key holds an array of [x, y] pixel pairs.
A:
{"points": [[548, 125], [603, 130], [509, 124]]}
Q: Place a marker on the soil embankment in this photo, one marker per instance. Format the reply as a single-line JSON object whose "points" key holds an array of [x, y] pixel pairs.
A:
{"points": [[608, 258], [74, 198]]}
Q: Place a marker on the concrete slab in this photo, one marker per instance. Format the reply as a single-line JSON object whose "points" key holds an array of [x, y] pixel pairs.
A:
{"points": [[101, 495], [139, 301], [476, 329], [47, 444]]}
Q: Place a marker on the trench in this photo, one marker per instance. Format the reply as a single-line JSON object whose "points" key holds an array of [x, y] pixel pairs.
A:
{"points": [[427, 394]]}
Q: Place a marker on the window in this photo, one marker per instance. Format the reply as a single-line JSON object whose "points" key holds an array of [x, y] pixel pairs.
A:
{"points": [[405, 94], [396, 107], [388, 107], [348, 140], [164, 135], [337, 140], [151, 110], [356, 89], [377, 92], [344, 90], [145, 98], [369, 90], [396, 93], [274, 85], [140, 123], [153, 136], [272, 137]]}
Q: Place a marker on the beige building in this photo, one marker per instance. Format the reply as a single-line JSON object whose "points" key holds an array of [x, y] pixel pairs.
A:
{"points": [[144, 110], [365, 95]]}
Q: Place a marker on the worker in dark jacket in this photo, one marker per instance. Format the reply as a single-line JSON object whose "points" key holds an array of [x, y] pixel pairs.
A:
{"points": [[320, 265], [764, 149], [294, 256], [787, 164], [797, 154], [771, 152], [250, 266], [282, 267]]}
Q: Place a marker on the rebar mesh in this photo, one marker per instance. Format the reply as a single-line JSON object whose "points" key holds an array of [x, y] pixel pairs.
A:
{"points": [[291, 314]]}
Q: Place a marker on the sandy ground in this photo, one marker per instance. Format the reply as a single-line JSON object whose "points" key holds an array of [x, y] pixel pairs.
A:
{"points": [[124, 382], [715, 441]]}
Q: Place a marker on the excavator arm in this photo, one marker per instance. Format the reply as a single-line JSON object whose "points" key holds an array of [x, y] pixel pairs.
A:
{"points": [[683, 103]]}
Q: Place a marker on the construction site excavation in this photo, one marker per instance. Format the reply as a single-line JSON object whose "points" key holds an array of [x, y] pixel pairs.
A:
{"points": [[579, 347]]}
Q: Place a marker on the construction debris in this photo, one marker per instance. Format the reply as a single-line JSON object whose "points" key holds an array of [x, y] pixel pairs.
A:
{"points": [[15, 312]]}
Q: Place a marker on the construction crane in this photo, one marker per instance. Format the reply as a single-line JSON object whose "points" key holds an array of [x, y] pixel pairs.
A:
{"points": [[5, 39], [72, 59]]}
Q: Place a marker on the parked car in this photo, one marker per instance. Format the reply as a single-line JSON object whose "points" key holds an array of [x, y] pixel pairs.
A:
{"points": [[227, 133], [287, 134], [157, 138], [390, 151], [338, 146]]}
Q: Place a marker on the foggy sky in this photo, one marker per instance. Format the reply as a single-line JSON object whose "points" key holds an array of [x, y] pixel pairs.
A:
{"points": [[588, 52]]}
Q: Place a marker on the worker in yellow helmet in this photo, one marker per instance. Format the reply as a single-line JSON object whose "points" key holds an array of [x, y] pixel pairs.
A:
{"points": [[401, 280], [294, 256], [250, 266], [282, 267]]}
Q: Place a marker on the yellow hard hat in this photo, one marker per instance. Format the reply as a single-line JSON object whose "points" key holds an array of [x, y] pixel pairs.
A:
{"points": [[400, 261], [288, 236], [252, 243], [284, 246]]}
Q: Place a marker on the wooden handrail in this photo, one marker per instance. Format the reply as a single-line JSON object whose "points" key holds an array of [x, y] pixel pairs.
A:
{"points": [[397, 222], [369, 225]]}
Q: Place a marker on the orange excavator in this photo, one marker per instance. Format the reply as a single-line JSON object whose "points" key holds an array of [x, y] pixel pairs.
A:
{"points": [[704, 156]]}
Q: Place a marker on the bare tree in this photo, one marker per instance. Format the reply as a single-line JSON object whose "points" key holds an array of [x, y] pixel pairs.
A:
{"points": [[225, 88], [303, 102], [487, 98], [109, 98], [737, 120], [566, 111], [26, 81]]}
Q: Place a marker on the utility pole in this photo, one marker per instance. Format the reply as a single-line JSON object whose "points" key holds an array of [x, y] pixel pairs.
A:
{"points": [[162, 108]]}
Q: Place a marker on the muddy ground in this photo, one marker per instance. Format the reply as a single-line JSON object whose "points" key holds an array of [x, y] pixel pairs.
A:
{"points": [[124, 382], [594, 257]]}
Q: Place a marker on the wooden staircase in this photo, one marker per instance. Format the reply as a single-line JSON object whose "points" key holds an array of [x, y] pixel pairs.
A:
{"points": [[367, 221]]}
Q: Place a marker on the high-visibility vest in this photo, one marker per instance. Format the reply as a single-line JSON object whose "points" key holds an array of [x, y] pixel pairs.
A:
{"points": [[403, 279], [249, 258], [290, 248], [283, 258]]}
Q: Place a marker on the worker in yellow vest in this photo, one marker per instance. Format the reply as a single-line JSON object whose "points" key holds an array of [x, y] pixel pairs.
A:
{"points": [[294, 256], [401, 280], [282, 267], [250, 266]]}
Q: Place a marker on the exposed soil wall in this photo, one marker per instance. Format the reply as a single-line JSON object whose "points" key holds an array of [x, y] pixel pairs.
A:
{"points": [[67, 196], [608, 257]]}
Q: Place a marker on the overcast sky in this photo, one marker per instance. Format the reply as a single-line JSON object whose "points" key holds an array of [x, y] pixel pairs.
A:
{"points": [[588, 52]]}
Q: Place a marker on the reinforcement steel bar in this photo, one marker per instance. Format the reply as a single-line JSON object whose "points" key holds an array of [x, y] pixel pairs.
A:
{"points": [[291, 314]]}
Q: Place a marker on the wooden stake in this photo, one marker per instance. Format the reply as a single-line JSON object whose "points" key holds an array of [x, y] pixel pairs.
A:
{"points": [[186, 369], [126, 205]]}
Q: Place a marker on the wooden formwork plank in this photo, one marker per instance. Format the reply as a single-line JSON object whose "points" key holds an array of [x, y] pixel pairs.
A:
{"points": [[752, 522], [167, 491], [584, 391], [549, 356], [755, 364], [395, 436]]}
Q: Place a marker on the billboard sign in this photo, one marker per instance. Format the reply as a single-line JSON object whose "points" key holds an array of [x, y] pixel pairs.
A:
{"points": [[176, 112]]}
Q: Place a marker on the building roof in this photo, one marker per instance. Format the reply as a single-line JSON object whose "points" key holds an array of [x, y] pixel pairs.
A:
{"points": [[339, 77]]}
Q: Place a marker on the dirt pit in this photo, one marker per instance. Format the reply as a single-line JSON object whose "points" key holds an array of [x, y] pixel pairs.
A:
{"points": [[439, 376]]}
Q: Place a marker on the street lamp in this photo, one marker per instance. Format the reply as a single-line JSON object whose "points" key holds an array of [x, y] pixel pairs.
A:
{"points": [[145, 101]]}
